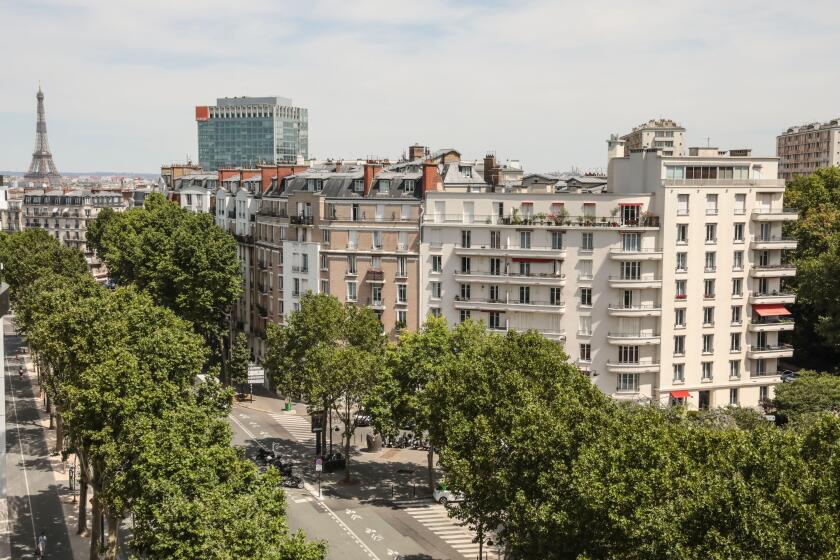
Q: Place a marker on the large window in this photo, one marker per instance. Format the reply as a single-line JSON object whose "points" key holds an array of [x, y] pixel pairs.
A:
{"points": [[682, 233], [402, 293], [524, 239], [679, 373], [436, 290], [351, 291], [631, 270], [682, 205], [708, 343], [679, 345], [586, 352], [556, 239], [734, 369], [628, 382], [628, 354], [586, 297], [586, 242], [524, 294], [436, 263]]}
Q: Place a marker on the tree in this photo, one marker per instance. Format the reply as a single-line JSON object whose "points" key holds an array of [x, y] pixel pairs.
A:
{"points": [[29, 254], [809, 394], [240, 358], [817, 258]]}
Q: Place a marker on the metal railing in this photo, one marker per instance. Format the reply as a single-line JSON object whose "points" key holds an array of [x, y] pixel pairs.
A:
{"points": [[770, 348], [301, 220], [639, 335], [641, 307]]}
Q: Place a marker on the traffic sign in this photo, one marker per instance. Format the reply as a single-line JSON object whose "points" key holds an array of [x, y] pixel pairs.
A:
{"points": [[317, 422], [319, 464], [256, 375]]}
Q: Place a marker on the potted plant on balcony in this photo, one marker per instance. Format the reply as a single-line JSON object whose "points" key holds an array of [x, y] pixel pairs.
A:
{"points": [[515, 219], [562, 217], [648, 218], [541, 217], [613, 214]]}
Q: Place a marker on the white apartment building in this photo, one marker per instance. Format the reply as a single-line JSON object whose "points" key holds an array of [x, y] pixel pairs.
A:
{"points": [[663, 134], [668, 287]]}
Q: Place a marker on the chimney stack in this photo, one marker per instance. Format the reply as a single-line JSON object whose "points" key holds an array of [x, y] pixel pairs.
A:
{"points": [[416, 152], [431, 178], [371, 170], [491, 170]]}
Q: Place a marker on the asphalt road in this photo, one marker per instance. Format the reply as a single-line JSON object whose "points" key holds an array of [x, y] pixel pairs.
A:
{"points": [[356, 528], [33, 496]]}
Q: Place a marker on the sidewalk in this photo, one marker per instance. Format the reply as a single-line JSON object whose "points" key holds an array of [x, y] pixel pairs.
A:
{"points": [[385, 476]]}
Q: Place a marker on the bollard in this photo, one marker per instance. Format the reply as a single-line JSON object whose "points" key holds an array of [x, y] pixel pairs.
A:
{"points": [[392, 491], [413, 489]]}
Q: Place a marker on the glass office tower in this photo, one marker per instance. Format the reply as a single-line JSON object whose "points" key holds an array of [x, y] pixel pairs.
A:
{"points": [[248, 131]]}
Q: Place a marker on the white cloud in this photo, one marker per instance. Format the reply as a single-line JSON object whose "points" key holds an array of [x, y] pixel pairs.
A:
{"points": [[542, 81]]}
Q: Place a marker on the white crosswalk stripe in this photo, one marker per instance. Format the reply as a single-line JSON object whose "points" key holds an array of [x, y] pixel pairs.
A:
{"points": [[435, 518], [298, 426]]}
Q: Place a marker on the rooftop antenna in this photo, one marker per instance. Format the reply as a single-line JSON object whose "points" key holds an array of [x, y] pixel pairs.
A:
{"points": [[708, 140]]}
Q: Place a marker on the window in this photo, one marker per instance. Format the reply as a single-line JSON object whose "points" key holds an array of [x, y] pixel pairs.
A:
{"points": [[682, 205], [708, 316], [556, 240], [631, 270], [351, 239], [733, 396], [524, 294], [679, 373], [324, 262], [436, 311], [586, 297], [586, 243], [495, 320], [585, 269], [631, 242], [436, 263], [711, 233], [494, 294], [734, 369], [628, 354], [383, 185], [710, 261], [495, 239], [408, 185], [740, 202], [585, 325], [679, 289], [351, 291], [436, 290], [708, 288], [524, 239], [763, 393], [296, 287], [736, 314], [402, 293], [376, 263], [679, 317], [466, 238], [377, 239], [556, 295], [465, 292], [465, 265], [496, 266], [737, 286], [682, 262], [628, 382], [735, 342], [708, 343], [682, 233], [711, 204], [525, 269], [465, 315], [376, 293], [586, 352], [706, 371], [679, 345], [325, 286], [737, 260], [402, 318], [738, 236], [402, 269]]}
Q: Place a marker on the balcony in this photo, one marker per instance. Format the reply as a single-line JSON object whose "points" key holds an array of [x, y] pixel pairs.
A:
{"points": [[262, 265], [770, 351], [300, 220], [549, 220], [642, 310], [774, 214], [246, 239], [771, 324], [781, 270], [773, 297], [633, 338], [377, 304], [635, 283], [636, 254], [773, 242], [482, 304], [632, 367], [375, 276], [263, 289], [765, 374], [724, 182], [262, 311], [300, 269], [530, 252], [533, 279]]}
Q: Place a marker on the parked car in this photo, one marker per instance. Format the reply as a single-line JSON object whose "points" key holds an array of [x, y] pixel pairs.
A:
{"points": [[334, 461], [443, 495], [362, 419]]}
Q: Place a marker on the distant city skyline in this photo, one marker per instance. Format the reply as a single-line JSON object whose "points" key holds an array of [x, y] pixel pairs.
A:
{"points": [[542, 82]]}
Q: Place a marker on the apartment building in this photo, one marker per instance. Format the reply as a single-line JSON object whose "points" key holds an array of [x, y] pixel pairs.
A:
{"points": [[65, 214], [804, 149], [664, 134], [669, 286]]}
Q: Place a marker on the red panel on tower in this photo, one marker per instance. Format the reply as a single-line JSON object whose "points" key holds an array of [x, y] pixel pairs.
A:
{"points": [[202, 113]]}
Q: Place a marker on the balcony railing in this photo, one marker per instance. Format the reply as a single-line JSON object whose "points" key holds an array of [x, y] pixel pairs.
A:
{"points": [[772, 320], [773, 239], [301, 220], [726, 182], [773, 294], [770, 373], [556, 302], [547, 275], [550, 220], [770, 348], [641, 307], [302, 269], [637, 334], [375, 275], [779, 266]]}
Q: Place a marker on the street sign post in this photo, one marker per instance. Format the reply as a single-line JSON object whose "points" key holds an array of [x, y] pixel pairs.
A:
{"points": [[256, 375]]}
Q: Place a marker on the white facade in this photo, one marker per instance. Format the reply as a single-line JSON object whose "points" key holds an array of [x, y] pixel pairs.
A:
{"points": [[620, 276], [301, 272]]}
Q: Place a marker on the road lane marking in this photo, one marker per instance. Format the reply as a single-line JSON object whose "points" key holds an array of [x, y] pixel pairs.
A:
{"points": [[435, 518], [23, 459]]}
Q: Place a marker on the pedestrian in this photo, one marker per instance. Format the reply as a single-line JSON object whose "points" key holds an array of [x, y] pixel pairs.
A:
{"points": [[41, 547], [20, 372]]}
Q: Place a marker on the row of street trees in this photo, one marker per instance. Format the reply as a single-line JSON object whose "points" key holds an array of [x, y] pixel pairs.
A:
{"points": [[552, 467], [124, 375]]}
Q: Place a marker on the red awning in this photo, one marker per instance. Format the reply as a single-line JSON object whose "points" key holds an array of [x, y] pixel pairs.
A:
{"points": [[680, 394], [768, 309]]}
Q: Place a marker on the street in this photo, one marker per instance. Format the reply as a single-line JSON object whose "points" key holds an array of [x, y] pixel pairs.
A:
{"points": [[358, 521]]}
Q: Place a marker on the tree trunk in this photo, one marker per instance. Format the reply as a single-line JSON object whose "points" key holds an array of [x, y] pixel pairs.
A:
{"points": [[347, 436], [59, 430], [431, 464], [113, 536], [83, 492], [95, 526]]}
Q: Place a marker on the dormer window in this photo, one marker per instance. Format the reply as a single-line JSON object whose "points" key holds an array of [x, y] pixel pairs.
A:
{"points": [[408, 185], [384, 186], [313, 185], [358, 185], [465, 170]]}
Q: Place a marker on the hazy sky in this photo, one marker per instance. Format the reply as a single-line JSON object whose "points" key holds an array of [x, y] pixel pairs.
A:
{"points": [[545, 82]]}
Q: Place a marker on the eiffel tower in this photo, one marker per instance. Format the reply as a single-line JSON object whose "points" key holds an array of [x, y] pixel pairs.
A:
{"points": [[42, 169]]}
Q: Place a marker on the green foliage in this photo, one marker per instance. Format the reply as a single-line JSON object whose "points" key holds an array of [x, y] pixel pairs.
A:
{"points": [[810, 393], [240, 357], [817, 258], [32, 253]]}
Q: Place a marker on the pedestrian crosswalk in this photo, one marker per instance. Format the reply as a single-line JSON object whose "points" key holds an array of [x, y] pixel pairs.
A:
{"points": [[435, 518], [298, 426]]}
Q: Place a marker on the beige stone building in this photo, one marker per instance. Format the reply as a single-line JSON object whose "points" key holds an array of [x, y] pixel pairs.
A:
{"points": [[804, 149], [663, 134]]}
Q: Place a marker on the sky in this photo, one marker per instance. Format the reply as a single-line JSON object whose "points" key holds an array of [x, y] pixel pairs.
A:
{"points": [[544, 82]]}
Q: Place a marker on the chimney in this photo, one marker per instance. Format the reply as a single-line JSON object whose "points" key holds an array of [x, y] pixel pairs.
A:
{"points": [[491, 170], [431, 178], [371, 170], [416, 152]]}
